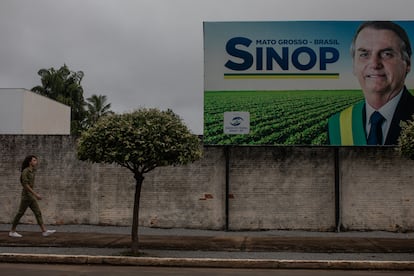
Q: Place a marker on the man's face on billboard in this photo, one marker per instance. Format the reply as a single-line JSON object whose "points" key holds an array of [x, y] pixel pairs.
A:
{"points": [[378, 63]]}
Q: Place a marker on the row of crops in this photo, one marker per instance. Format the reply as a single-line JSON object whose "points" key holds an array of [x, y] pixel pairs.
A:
{"points": [[276, 117]]}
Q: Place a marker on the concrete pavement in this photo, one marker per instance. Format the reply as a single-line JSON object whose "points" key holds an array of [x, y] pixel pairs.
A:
{"points": [[186, 247]]}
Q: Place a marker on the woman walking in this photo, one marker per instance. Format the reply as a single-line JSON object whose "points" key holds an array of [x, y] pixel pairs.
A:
{"points": [[29, 197]]}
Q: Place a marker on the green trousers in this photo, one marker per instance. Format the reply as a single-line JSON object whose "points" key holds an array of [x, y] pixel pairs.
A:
{"points": [[27, 202]]}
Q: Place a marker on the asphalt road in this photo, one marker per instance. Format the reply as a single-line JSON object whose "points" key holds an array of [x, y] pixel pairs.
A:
{"points": [[46, 270]]}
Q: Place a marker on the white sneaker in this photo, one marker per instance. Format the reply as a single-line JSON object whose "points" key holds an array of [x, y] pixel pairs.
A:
{"points": [[48, 233], [14, 234]]}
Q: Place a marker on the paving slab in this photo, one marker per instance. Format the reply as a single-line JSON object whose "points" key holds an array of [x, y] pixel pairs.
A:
{"points": [[215, 243], [204, 248]]}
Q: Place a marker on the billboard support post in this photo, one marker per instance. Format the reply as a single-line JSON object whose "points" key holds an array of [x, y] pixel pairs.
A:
{"points": [[227, 193], [337, 191]]}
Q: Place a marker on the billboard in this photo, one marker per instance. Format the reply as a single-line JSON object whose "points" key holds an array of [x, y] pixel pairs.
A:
{"points": [[296, 82]]}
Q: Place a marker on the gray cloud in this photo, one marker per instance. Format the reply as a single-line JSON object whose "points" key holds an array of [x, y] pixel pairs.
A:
{"points": [[144, 52]]}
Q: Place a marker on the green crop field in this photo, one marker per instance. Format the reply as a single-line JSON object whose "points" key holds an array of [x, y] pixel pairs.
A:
{"points": [[276, 117]]}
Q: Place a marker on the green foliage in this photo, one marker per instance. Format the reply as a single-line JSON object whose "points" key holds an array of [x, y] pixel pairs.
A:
{"points": [[96, 108], [140, 141], [64, 86], [406, 139], [276, 117]]}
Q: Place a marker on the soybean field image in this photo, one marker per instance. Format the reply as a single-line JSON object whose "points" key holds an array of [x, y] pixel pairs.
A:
{"points": [[276, 117]]}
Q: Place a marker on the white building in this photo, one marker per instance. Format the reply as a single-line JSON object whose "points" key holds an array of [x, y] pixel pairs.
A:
{"points": [[25, 112]]}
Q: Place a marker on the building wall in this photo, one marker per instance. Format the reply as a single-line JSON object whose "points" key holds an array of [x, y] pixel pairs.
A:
{"points": [[42, 115], [269, 188], [25, 112], [11, 111]]}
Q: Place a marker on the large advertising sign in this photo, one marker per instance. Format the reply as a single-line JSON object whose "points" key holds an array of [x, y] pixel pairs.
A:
{"points": [[297, 83]]}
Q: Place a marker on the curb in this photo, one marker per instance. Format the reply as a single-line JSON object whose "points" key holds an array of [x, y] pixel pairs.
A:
{"points": [[206, 262]]}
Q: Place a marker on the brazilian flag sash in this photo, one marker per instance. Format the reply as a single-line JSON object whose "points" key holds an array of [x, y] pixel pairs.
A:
{"points": [[346, 128]]}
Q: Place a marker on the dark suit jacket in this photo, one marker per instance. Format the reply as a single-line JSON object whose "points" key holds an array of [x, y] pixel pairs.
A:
{"points": [[403, 112]]}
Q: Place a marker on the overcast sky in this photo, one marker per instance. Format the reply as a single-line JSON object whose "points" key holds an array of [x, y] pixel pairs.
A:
{"points": [[145, 53]]}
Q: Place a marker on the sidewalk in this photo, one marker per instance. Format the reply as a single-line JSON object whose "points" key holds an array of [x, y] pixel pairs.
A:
{"points": [[264, 249]]}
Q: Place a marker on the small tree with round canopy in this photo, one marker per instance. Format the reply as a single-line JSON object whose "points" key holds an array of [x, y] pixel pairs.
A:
{"points": [[139, 141], [406, 139]]}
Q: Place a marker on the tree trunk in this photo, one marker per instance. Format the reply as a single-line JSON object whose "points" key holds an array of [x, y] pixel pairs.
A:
{"points": [[139, 178]]}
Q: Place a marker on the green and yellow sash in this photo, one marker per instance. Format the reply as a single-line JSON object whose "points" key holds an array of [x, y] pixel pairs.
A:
{"points": [[346, 128]]}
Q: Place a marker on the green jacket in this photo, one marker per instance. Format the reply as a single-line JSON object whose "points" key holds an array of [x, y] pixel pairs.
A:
{"points": [[27, 177]]}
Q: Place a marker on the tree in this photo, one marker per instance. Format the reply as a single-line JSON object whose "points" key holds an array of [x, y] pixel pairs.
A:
{"points": [[64, 86], [406, 139], [139, 141], [96, 108]]}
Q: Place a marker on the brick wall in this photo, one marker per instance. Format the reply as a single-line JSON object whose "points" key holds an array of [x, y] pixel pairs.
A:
{"points": [[282, 188], [377, 189], [269, 188]]}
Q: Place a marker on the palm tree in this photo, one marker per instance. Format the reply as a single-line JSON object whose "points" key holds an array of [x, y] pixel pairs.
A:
{"points": [[96, 108], [64, 86]]}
